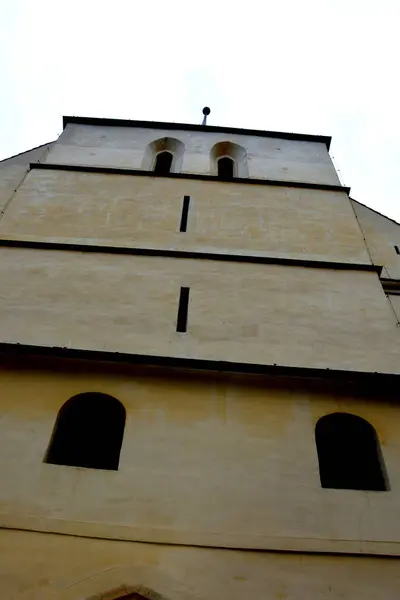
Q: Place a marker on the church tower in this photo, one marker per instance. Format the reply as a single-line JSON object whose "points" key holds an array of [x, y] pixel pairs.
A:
{"points": [[200, 370]]}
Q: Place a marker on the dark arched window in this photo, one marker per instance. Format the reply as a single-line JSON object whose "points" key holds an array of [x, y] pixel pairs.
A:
{"points": [[88, 432], [225, 168], [349, 453], [150, 595], [163, 163]]}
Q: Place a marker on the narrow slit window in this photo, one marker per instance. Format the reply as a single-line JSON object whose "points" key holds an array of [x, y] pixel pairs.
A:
{"points": [[181, 324], [185, 213], [397, 249], [225, 168], [163, 163]]}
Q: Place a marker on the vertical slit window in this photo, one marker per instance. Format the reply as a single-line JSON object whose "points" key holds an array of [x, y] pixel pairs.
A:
{"points": [[163, 163], [185, 213], [181, 324], [397, 249]]}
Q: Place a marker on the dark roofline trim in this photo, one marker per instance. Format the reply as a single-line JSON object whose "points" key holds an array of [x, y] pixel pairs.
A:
{"points": [[140, 173], [391, 286], [301, 137], [187, 254], [15, 349], [26, 151], [375, 211]]}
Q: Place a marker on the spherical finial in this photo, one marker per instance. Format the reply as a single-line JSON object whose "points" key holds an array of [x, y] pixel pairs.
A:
{"points": [[206, 110]]}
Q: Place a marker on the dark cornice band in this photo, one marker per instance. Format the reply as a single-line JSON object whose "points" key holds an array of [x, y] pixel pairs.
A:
{"points": [[188, 254], [197, 176], [391, 286], [301, 137], [371, 378]]}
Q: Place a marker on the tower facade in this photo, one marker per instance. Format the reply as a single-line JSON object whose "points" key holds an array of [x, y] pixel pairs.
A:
{"points": [[200, 360]]}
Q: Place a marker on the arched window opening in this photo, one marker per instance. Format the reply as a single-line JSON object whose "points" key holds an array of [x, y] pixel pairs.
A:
{"points": [[349, 454], [226, 168], [228, 161], [164, 155], [163, 163], [88, 432], [137, 592]]}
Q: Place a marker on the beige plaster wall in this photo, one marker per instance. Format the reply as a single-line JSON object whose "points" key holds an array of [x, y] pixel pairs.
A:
{"points": [[30, 156], [50, 567], [381, 236], [10, 178], [125, 147], [206, 460], [237, 311], [395, 302], [146, 212], [14, 169]]}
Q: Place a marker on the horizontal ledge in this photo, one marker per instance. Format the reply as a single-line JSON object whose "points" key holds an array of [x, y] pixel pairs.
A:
{"points": [[197, 176], [301, 137], [391, 286], [187, 254], [372, 378], [46, 525]]}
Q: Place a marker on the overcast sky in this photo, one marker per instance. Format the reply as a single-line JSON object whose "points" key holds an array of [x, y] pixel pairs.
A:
{"points": [[310, 66]]}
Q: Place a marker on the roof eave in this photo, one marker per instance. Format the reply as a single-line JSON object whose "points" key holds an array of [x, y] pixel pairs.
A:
{"points": [[302, 137]]}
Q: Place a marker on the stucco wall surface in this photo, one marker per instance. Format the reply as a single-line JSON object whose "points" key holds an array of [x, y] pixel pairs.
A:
{"points": [[125, 147], [206, 460], [49, 567], [395, 302], [30, 156], [381, 236], [237, 311], [145, 212], [10, 178], [14, 169]]}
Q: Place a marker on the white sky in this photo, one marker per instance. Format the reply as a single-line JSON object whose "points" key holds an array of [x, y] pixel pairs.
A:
{"points": [[311, 66]]}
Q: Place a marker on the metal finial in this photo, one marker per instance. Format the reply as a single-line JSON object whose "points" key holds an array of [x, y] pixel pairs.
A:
{"points": [[206, 112]]}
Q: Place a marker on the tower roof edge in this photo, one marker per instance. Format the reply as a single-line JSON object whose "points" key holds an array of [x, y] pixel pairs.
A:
{"points": [[304, 137]]}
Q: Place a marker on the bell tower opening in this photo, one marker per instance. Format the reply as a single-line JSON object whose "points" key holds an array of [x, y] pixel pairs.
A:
{"points": [[163, 163], [226, 168]]}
